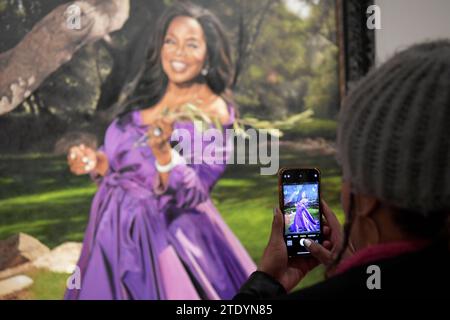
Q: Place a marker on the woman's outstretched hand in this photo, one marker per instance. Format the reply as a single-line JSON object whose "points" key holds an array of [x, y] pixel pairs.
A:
{"points": [[84, 160]]}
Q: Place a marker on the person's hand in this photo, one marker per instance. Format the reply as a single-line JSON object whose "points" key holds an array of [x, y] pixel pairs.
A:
{"points": [[333, 236], [275, 261], [159, 139], [84, 160], [81, 159]]}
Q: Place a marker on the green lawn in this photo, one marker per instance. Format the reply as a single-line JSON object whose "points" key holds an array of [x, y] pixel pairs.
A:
{"points": [[39, 196]]}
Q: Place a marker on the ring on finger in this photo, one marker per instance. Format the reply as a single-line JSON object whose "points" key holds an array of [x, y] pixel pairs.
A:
{"points": [[89, 165], [157, 132]]}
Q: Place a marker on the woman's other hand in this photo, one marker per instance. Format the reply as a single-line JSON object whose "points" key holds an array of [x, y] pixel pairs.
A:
{"points": [[84, 160], [333, 239]]}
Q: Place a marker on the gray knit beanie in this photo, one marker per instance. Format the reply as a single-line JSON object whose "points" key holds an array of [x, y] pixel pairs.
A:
{"points": [[394, 130]]}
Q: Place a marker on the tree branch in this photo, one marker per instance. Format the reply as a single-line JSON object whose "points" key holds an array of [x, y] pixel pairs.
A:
{"points": [[246, 42], [51, 43]]}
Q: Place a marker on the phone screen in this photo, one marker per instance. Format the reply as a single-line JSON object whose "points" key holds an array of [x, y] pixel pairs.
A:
{"points": [[300, 204]]}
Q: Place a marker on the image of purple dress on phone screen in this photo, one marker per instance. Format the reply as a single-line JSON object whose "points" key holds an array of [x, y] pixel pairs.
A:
{"points": [[303, 220]]}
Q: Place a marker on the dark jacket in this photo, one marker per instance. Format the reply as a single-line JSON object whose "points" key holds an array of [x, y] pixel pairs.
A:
{"points": [[421, 274]]}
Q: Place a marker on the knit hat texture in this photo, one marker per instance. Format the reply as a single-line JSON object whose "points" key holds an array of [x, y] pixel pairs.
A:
{"points": [[394, 130]]}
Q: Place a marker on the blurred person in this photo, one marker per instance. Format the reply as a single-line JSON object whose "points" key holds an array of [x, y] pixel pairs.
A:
{"points": [[394, 148]]}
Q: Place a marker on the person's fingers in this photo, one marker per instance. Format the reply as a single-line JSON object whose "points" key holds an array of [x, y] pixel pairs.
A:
{"points": [[73, 153], [166, 126], [327, 244], [277, 225], [156, 141], [74, 157], [74, 149], [166, 121], [91, 154], [326, 230], [81, 159], [90, 165], [77, 170], [329, 215], [153, 138], [318, 251], [302, 262], [164, 130]]}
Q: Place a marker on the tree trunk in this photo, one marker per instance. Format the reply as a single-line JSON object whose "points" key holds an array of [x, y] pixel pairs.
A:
{"points": [[52, 43]]}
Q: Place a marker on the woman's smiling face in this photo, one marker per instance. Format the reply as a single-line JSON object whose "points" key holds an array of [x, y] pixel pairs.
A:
{"points": [[184, 51]]}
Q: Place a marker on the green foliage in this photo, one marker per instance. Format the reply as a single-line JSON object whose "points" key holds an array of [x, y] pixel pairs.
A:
{"points": [[323, 91], [3, 5], [75, 88], [293, 64]]}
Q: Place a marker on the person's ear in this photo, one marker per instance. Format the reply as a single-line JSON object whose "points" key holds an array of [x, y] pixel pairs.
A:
{"points": [[366, 206], [345, 196], [366, 230]]}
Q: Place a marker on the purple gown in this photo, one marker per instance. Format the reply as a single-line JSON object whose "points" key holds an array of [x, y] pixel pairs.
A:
{"points": [[146, 243], [303, 221]]}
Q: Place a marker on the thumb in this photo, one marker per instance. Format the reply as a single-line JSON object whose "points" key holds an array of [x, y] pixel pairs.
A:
{"points": [[319, 252], [277, 225]]}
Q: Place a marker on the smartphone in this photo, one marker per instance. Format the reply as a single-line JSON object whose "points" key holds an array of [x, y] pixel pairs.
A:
{"points": [[299, 194]]}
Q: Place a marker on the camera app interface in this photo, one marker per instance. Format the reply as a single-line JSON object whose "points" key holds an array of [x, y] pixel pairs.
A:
{"points": [[301, 215]]}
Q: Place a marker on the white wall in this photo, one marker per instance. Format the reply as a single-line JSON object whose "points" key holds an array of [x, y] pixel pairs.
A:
{"points": [[404, 22]]}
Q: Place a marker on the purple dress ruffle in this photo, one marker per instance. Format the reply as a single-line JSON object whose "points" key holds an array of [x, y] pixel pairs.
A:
{"points": [[142, 242]]}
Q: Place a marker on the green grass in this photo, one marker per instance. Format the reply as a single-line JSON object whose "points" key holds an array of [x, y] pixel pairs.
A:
{"points": [[47, 285], [39, 196]]}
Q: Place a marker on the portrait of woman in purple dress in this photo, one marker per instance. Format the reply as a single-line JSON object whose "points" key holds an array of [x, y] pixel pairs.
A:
{"points": [[153, 231], [303, 220]]}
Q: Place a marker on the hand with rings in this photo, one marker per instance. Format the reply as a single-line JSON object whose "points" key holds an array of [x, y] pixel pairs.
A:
{"points": [[81, 159], [159, 138], [157, 131]]}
